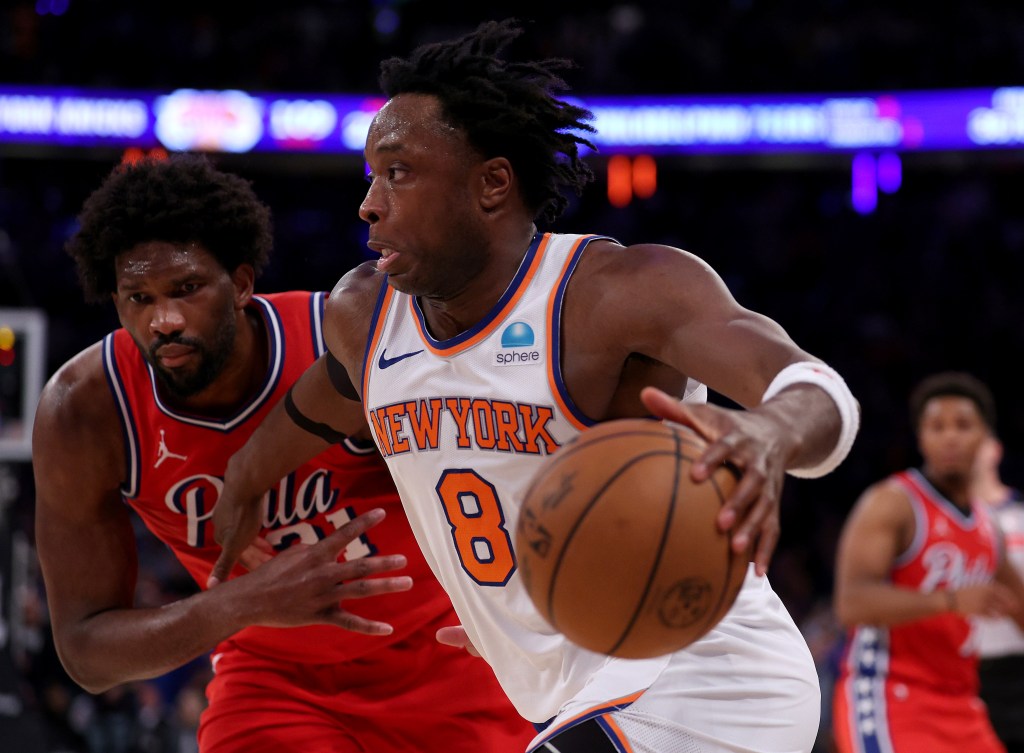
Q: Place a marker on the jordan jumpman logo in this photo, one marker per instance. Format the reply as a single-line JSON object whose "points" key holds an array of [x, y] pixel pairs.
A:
{"points": [[162, 453]]}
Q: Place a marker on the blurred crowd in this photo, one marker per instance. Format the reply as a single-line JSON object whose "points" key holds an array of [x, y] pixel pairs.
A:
{"points": [[628, 46], [929, 281]]}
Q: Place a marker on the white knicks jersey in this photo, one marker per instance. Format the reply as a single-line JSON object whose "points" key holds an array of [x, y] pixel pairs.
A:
{"points": [[464, 424]]}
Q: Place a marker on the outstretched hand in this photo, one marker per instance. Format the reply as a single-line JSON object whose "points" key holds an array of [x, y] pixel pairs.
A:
{"points": [[236, 525], [307, 584], [747, 443]]}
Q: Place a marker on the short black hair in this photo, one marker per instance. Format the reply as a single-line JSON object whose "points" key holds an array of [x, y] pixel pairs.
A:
{"points": [[180, 199], [953, 384], [505, 109]]}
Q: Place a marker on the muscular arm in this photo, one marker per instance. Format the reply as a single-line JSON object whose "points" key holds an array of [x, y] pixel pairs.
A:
{"points": [[689, 322], [879, 528], [87, 547], [87, 550], [279, 444]]}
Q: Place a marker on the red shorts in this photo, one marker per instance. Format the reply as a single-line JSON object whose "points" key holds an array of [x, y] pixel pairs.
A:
{"points": [[415, 695], [872, 716]]}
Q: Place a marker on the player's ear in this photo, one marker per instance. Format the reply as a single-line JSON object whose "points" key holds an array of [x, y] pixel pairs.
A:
{"points": [[496, 183], [244, 279]]}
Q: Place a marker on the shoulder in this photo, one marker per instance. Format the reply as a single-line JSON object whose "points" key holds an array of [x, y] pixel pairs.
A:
{"points": [[609, 255], [349, 311], [650, 267], [357, 291], [75, 383], [76, 403], [650, 295], [886, 501]]}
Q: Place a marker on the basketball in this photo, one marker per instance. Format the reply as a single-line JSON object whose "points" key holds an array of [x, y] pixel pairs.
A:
{"points": [[618, 548]]}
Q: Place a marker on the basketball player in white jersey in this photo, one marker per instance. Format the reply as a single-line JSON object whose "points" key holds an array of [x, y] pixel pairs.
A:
{"points": [[477, 346]]}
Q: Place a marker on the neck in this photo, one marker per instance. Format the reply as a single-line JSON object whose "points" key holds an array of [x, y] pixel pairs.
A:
{"points": [[953, 487], [454, 314]]}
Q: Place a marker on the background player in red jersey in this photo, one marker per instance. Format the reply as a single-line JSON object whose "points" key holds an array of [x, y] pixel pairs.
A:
{"points": [[916, 559], [148, 418]]}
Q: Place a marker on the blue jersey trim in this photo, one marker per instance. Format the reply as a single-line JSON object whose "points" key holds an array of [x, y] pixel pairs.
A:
{"points": [[555, 328], [130, 485]]}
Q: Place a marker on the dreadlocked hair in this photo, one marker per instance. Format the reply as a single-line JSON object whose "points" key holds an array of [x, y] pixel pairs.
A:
{"points": [[181, 199], [505, 108]]}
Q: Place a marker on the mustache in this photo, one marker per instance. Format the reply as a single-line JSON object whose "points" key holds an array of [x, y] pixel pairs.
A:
{"points": [[161, 341]]}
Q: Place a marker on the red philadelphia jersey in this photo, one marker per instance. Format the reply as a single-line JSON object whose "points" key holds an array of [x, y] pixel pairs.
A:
{"points": [[176, 466], [913, 687], [950, 550]]}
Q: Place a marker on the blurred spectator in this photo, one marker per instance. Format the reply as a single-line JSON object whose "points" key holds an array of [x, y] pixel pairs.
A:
{"points": [[1001, 641], [633, 46]]}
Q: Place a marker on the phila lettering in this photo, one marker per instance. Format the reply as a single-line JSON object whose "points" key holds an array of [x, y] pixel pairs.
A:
{"points": [[294, 511]]}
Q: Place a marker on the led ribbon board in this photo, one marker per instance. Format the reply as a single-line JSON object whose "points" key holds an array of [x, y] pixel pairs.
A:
{"points": [[237, 121]]}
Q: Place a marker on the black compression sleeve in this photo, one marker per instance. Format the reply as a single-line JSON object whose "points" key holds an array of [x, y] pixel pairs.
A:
{"points": [[339, 377], [303, 421]]}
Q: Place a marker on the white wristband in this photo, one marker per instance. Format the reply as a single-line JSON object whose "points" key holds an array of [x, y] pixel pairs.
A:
{"points": [[828, 379]]}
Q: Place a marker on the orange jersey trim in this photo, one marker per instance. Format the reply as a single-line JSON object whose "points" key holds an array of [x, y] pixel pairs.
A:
{"points": [[599, 710], [378, 329], [496, 318]]}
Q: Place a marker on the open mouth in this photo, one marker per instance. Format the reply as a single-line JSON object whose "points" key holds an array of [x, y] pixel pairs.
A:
{"points": [[388, 259]]}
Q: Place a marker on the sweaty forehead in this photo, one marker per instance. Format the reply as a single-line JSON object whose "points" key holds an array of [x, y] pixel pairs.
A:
{"points": [[407, 121], [153, 259]]}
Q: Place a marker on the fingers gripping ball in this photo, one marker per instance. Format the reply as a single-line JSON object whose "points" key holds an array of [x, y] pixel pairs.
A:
{"points": [[619, 549]]}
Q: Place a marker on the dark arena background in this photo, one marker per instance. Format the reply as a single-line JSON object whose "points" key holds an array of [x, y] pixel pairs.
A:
{"points": [[851, 169]]}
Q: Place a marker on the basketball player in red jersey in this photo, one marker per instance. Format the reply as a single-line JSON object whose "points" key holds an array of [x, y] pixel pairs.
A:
{"points": [[147, 419], [916, 560]]}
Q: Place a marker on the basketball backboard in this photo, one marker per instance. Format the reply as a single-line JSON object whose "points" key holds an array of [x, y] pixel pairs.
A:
{"points": [[22, 372]]}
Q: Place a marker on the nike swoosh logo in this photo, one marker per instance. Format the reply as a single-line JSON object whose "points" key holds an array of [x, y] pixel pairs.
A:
{"points": [[384, 362]]}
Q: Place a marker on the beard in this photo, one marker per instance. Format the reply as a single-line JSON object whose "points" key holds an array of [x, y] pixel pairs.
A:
{"points": [[212, 357]]}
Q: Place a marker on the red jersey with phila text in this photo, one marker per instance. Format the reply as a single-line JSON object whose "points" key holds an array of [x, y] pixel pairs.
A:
{"points": [[176, 467], [912, 688], [951, 549]]}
